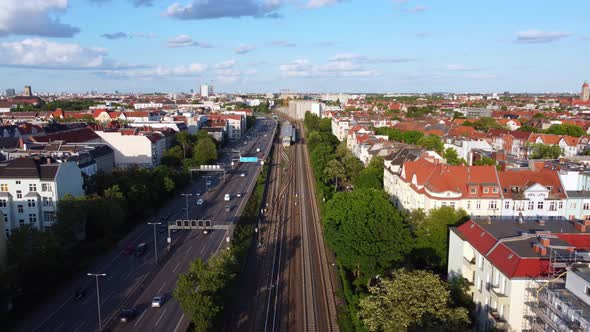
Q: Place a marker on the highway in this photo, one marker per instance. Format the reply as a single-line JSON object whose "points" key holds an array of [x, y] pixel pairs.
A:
{"points": [[132, 281]]}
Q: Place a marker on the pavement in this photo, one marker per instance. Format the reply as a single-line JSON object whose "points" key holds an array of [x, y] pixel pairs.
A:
{"points": [[136, 280]]}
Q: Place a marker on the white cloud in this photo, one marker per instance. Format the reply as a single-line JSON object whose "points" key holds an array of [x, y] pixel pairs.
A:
{"points": [[226, 64], [539, 36], [208, 9], [283, 43], [321, 3], [125, 35], [186, 41], [455, 67], [244, 48], [363, 59], [32, 17], [37, 52], [418, 9], [334, 68], [194, 69]]}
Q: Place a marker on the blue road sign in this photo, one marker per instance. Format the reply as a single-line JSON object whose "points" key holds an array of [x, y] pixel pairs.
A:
{"points": [[248, 159]]}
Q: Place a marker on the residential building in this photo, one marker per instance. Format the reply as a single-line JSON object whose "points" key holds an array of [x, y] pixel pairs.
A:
{"points": [[31, 187], [135, 147], [28, 92], [476, 112], [507, 262], [206, 90], [298, 108], [10, 93], [464, 148], [585, 95]]}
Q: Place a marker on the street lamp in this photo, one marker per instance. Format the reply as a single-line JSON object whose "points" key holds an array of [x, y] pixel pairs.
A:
{"points": [[155, 242], [96, 275], [186, 196]]}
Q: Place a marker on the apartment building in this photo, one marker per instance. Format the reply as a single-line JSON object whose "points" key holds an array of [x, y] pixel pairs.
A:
{"points": [[31, 187], [506, 262], [482, 191], [135, 147]]}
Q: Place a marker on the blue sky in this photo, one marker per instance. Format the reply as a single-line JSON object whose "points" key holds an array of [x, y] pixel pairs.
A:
{"points": [[302, 45]]}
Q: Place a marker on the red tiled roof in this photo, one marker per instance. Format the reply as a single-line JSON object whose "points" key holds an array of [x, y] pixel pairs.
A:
{"points": [[524, 178], [78, 135]]}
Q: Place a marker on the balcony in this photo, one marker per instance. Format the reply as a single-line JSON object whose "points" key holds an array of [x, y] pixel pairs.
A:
{"points": [[498, 296], [469, 265], [499, 322]]}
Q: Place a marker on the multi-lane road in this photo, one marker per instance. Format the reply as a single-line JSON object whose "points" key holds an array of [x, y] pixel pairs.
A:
{"points": [[132, 282]]}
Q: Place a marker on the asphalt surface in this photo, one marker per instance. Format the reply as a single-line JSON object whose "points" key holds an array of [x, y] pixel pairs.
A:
{"points": [[136, 280]]}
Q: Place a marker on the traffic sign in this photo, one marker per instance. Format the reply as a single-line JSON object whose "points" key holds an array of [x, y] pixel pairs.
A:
{"points": [[248, 159]]}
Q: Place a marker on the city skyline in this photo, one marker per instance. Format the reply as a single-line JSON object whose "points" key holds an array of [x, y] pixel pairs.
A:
{"points": [[311, 45]]}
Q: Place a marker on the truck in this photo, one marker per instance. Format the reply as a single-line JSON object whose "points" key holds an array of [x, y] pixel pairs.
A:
{"points": [[227, 198]]}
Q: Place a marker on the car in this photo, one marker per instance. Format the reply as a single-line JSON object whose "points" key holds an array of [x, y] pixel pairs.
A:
{"points": [[227, 208], [157, 301], [227, 197], [127, 315], [208, 183], [140, 249], [242, 174], [80, 294], [200, 201], [197, 194], [239, 195], [129, 249]]}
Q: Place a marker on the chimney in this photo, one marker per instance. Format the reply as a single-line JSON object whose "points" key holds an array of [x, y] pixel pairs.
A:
{"points": [[541, 222], [545, 242], [542, 251], [586, 223], [48, 161], [581, 227]]}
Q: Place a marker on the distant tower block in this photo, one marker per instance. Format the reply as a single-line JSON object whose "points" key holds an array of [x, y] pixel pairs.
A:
{"points": [[585, 96], [28, 91]]}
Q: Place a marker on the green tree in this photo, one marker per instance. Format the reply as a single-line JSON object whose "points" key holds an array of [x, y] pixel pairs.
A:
{"points": [[543, 151], [452, 157], [366, 232], [565, 129], [204, 151], [528, 129], [484, 161], [411, 300], [431, 232], [486, 123], [432, 142], [372, 176], [200, 290], [173, 156], [334, 170], [353, 166], [312, 122], [185, 140], [325, 125]]}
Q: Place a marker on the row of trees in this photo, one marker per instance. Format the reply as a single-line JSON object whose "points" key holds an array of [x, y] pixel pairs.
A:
{"points": [[85, 227], [191, 150], [556, 129], [390, 263]]}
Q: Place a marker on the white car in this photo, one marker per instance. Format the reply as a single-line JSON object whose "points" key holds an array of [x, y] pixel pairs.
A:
{"points": [[157, 301], [208, 183], [239, 195], [200, 201], [243, 174]]}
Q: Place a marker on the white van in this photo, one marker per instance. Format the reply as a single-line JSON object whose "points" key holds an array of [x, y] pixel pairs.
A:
{"points": [[227, 198]]}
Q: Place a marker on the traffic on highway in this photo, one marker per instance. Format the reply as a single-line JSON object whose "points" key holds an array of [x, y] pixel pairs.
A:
{"points": [[131, 286]]}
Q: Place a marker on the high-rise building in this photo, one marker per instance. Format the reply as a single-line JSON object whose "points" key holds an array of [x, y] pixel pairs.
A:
{"points": [[28, 91], [206, 90], [10, 93], [585, 96]]}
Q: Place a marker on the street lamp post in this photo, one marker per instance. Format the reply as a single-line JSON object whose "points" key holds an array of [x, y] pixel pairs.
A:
{"points": [[155, 241], [186, 196], [207, 183], [96, 275]]}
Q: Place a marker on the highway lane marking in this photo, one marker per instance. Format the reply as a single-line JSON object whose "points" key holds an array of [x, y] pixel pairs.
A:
{"points": [[201, 252], [162, 315], [178, 324], [164, 284], [79, 326], [140, 317], [176, 267], [189, 249]]}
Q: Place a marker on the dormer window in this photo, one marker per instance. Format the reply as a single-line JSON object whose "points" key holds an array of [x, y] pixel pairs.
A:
{"points": [[473, 190], [549, 188], [495, 190], [486, 190]]}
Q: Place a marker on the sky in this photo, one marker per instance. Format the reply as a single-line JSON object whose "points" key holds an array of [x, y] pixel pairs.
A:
{"points": [[378, 46]]}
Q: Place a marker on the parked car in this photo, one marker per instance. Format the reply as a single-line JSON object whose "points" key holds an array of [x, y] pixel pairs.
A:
{"points": [[200, 201], [157, 301], [127, 315], [80, 294], [140, 249], [129, 249]]}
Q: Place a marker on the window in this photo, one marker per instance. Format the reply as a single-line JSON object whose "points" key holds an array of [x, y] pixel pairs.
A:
{"points": [[473, 190], [443, 204], [20, 209], [495, 190], [553, 206], [531, 205], [478, 284], [507, 205], [573, 205], [2, 203], [486, 190], [30, 202], [46, 187], [480, 263], [560, 205], [492, 205], [586, 206], [49, 216], [32, 187], [32, 218], [587, 291], [468, 205], [47, 201], [19, 194], [5, 217], [4, 187], [540, 205], [452, 204], [17, 181], [478, 205], [21, 222]]}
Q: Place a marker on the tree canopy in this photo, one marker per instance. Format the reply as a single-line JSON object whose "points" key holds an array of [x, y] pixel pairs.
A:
{"points": [[366, 232], [432, 142], [544, 151], [565, 129], [411, 300]]}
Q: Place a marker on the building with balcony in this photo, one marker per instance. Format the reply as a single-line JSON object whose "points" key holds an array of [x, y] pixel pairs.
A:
{"points": [[506, 262], [31, 187]]}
